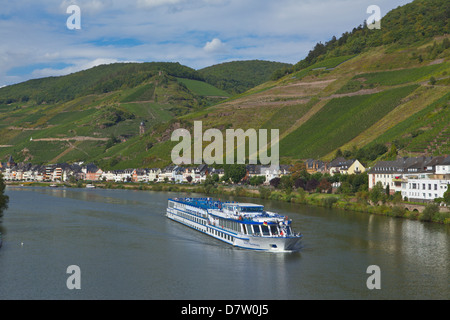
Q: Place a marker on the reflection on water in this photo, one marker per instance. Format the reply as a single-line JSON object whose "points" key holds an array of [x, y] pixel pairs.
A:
{"points": [[88, 195], [127, 249]]}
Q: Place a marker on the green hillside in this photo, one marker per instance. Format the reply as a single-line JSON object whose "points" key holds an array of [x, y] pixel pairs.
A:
{"points": [[367, 89], [97, 80], [239, 76], [409, 25], [60, 129], [392, 89]]}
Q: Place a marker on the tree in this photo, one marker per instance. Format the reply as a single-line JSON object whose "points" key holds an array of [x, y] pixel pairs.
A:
{"points": [[235, 172], [447, 195], [393, 152], [324, 185], [312, 185], [275, 182], [257, 180], [298, 170], [300, 183], [286, 183], [377, 193], [4, 199]]}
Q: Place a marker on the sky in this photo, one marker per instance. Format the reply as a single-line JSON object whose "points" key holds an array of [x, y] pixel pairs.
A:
{"points": [[37, 40]]}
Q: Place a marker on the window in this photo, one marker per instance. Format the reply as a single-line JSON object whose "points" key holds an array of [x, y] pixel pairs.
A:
{"points": [[265, 230], [288, 230], [274, 230], [256, 229]]}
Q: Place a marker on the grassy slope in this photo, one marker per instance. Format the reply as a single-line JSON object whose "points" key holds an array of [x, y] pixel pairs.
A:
{"points": [[374, 87], [316, 117], [239, 76], [35, 132], [314, 113]]}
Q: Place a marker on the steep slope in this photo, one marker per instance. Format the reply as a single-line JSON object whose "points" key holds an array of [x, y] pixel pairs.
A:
{"points": [[62, 129], [239, 76], [369, 88], [390, 90]]}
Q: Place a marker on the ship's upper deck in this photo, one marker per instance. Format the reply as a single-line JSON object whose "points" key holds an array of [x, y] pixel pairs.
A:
{"points": [[232, 210], [203, 203]]}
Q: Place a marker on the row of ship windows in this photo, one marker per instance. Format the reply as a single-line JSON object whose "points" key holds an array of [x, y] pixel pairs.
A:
{"points": [[254, 229], [257, 230], [220, 234], [231, 225], [192, 218]]}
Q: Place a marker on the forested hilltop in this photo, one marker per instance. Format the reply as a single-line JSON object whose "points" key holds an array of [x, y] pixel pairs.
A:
{"points": [[239, 76], [97, 80], [411, 24]]}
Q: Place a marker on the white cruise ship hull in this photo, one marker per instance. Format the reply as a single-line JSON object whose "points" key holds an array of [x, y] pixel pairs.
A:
{"points": [[200, 222]]}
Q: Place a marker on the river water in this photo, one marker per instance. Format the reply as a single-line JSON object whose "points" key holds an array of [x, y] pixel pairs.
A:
{"points": [[126, 248]]}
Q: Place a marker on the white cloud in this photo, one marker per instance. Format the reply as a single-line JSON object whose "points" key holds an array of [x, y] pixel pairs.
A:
{"points": [[157, 3], [215, 46], [86, 6], [197, 33], [80, 65]]}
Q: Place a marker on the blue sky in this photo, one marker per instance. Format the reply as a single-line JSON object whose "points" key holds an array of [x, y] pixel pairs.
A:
{"points": [[35, 41]]}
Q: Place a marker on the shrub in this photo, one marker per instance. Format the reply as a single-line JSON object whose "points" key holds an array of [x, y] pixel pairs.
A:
{"points": [[398, 212], [264, 193], [329, 201], [429, 212]]}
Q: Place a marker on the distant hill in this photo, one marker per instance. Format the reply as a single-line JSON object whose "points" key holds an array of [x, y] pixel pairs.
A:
{"points": [[82, 116], [97, 80], [239, 76]]}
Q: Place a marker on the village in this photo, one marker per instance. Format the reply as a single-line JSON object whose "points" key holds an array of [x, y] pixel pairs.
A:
{"points": [[420, 179]]}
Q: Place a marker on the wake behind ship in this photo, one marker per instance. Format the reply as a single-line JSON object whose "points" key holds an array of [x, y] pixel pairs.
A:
{"points": [[243, 225]]}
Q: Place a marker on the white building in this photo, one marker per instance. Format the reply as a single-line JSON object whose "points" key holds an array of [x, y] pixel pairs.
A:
{"points": [[273, 172], [418, 179], [153, 174], [424, 188]]}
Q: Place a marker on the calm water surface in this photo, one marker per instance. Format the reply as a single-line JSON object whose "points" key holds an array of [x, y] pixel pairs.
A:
{"points": [[127, 249]]}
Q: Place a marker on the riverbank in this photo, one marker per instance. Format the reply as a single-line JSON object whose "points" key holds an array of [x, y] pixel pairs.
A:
{"points": [[401, 209]]}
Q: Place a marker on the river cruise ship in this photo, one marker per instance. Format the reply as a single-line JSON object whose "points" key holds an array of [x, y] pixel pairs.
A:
{"points": [[243, 225]]}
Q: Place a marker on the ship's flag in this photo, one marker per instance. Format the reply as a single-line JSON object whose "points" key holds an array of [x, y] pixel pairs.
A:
{"points": [[265, 223]]}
